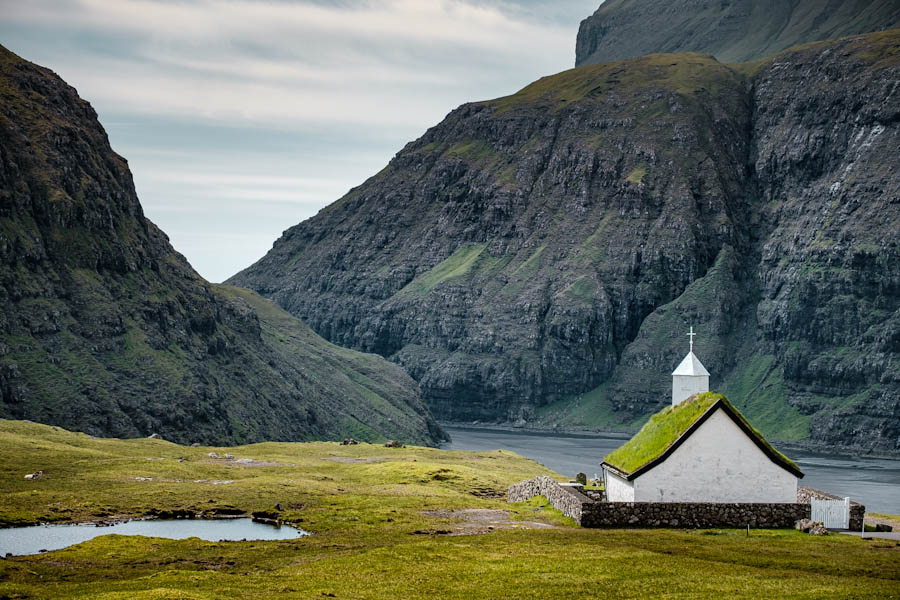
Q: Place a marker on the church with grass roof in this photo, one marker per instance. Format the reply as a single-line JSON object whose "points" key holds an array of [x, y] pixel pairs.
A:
{"points": [[699, 449]]}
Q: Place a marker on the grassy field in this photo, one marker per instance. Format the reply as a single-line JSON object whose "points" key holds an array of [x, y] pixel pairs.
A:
{"points": [[387, 523]]}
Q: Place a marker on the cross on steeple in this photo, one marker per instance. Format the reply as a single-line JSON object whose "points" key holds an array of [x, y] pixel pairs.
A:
{"points": [[691, 335]]}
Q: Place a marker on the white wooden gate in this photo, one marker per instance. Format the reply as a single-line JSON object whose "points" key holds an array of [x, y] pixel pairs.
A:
{"points": [[834, 514]]}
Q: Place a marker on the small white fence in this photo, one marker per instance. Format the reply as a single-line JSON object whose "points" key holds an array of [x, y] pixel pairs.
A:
{"points": [[834, 514]]}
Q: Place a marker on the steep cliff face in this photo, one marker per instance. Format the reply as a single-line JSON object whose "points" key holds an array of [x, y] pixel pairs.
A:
{"points": [[827, 158], [540, 256], [802, 326], [730, 30], [106, 329], [508, 256]]}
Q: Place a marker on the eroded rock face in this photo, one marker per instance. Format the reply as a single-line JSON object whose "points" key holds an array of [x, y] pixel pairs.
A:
{"points": [[509, 255], [732, 31], [827, 162], [560, 242], [104, 328]]}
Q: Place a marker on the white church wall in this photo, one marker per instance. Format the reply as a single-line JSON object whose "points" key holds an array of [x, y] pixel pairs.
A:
{"points": [[685, 386], [717, 463], [618, 489]]}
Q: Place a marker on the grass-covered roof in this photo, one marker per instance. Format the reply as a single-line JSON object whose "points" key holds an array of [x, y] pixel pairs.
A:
{"points": [[664, 429]]}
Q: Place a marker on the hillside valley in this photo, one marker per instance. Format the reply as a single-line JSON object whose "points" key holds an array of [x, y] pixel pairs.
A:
{"points": [[106, 329], [538, 259]]}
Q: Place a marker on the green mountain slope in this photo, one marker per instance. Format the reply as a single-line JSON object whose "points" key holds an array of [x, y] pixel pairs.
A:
{"points": [[540, 257], [106, 329], [732, 31]]}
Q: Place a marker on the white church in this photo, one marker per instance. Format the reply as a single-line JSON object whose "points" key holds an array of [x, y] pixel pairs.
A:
{"points": [[700, 449]]}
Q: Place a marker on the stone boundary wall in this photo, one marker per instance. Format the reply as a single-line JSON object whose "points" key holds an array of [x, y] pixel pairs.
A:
{"points": [[572, 502], [567, 499], [693, 514]]}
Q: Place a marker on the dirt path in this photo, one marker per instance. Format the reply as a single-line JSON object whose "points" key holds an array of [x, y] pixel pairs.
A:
{"points": [[472, 521]]}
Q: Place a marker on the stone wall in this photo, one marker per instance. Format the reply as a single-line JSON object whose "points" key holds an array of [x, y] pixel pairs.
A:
{"points": [[567, 498], [572, 502], [693, 514]]}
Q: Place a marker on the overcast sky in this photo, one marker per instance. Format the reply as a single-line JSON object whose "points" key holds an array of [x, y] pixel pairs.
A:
{"points": [[240, 119]]}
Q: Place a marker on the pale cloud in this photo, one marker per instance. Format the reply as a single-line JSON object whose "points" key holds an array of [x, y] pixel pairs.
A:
{"points": [[227, 106], [384, 63]]}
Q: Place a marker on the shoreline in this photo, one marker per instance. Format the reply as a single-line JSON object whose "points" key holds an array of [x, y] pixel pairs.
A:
{"points": [[812, 447]]}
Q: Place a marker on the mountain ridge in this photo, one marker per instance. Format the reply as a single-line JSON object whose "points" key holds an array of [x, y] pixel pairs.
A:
{"points": [[105, 328], [732, 31], [548, 247]]}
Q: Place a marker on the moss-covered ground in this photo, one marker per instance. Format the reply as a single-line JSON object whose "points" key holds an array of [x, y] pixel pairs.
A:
{"points": [[383, 528]]}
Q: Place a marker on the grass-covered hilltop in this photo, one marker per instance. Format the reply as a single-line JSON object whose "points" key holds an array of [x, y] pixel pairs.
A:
{"points": [[387, 523], [538, 258], [105, 328]]}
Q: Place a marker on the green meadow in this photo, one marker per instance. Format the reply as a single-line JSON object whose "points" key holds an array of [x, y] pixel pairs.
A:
{"points": [[387, 523]]}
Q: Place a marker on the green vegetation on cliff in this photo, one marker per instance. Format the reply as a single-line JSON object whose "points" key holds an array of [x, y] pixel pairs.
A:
{"points": [[106, 329], [412, 523]]}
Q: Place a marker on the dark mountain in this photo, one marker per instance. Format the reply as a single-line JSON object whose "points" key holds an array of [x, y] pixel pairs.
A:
{"points": [[541, 256], [106, 329], [730, 30]]}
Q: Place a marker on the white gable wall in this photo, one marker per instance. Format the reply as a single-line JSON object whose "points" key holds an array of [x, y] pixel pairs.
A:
{"points": [[717, 463], [618, 489]]}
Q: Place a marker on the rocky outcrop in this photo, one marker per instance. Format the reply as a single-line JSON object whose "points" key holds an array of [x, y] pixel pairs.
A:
{"points": [[538, 258], [104, 328], [732, 31]]}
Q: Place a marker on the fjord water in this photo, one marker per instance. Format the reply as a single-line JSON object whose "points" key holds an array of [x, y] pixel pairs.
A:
{"points": [[874, 482], [31, 540]]}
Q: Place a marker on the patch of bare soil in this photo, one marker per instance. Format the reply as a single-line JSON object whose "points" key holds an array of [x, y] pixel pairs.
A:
{"points": [[346, 459], [472, 521], [249, 462], [873, 520]]}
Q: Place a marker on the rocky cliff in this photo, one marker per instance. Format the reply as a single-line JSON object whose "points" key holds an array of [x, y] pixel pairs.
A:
{"points": [[106, 329], [730, 30], [540, 257]]}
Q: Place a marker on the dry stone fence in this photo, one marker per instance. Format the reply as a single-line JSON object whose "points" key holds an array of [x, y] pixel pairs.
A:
{"points": [[571, 500]]}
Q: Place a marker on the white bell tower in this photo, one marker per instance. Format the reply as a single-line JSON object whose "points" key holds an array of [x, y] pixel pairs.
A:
{"points": [[690, 378]]}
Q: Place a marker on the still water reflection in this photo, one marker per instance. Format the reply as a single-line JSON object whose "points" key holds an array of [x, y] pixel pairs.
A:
{"points": [[31, 540]]}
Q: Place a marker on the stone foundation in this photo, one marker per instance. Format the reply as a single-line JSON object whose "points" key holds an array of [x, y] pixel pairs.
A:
{"points": [[693, 514], [572, 502]]}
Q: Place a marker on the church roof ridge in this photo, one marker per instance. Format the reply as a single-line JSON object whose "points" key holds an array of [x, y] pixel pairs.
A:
{"points": [[669, 428], [691, 365]]}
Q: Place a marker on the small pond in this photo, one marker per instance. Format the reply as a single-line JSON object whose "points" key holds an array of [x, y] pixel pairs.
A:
{"points": [[31, 540]]}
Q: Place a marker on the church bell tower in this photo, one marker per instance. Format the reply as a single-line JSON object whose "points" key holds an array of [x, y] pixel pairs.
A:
{"points": [[690, 378]]}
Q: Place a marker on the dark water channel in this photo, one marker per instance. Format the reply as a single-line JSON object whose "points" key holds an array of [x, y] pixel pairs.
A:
{"points": [[874, 482], [31, 540]]}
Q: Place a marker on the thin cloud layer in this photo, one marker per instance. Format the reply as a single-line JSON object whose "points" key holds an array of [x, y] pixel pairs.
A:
{"points": [[385, 63], [327, 71]]}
